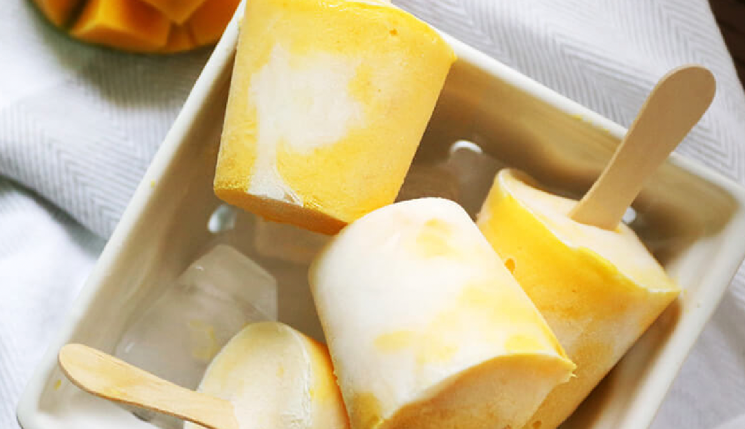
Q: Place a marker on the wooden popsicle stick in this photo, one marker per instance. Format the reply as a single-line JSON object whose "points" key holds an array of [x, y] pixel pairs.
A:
{"points": [[110, 378], [673, 107]]}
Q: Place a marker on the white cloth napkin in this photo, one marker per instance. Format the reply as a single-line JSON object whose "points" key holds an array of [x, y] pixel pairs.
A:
{"points": [[79, 124]]}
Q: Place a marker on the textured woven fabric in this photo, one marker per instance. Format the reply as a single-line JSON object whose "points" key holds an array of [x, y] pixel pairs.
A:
{"points": [[79, 125]]}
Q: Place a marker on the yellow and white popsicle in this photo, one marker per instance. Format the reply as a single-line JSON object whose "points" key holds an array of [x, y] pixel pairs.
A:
{"points": [[276, 378], [427, 328], [598, 289], [327, 105]]}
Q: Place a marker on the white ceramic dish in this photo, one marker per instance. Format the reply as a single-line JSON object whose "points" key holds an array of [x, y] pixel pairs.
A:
{"points": [[692, 218]]}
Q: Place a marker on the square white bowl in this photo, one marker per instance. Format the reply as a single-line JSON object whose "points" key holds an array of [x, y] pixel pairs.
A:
{"points": [[691, 218]]}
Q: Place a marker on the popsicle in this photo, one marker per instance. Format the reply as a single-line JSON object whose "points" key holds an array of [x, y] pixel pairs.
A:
{"points": [[427, 328], [267, 376], [591, 277], [327, 104], [278, 378], [599, 290]]}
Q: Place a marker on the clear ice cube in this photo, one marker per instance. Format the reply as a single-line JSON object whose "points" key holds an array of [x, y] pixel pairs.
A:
{"points": [[222, 219], [424, 180], [194, 317], [474, 171], [287, 242], [464, 177]]}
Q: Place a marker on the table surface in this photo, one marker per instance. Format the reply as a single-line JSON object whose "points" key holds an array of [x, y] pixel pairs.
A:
{"points": [[730, 15]]}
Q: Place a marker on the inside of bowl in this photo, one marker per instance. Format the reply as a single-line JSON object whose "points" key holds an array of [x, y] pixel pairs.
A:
{"points": [[481, 124]]}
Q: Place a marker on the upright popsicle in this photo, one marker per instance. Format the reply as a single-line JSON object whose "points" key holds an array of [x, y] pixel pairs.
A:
{"points": [[426, 327], [328, 102], [599, 290], [591, 277]]}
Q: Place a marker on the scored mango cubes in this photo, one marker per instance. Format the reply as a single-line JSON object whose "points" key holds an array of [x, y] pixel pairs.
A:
{"points": [[57, 11], [128, 24], [327, 105], [154, 26]]}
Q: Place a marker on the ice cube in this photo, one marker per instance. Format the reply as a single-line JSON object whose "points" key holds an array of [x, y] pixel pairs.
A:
{"points": [[183, 329], [227, 273], [464, 177], [287, 242], [222, 219], [425, 180], [475, 172], [629, 215]]}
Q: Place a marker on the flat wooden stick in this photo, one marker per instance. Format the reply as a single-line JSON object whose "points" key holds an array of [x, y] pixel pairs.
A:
{"points": [[673, 107], [110, 378]]}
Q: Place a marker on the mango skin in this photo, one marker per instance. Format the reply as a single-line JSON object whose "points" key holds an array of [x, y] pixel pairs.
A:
{"points": [[596, 310], [142, 26]]}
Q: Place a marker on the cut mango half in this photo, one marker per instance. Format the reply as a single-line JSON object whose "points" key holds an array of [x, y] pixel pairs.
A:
{"points": [[153, 26]]}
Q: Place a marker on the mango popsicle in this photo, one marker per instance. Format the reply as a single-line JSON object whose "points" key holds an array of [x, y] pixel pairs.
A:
{"points": [[276, 378], [599, 290], [426, 327], [328, 102]]}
